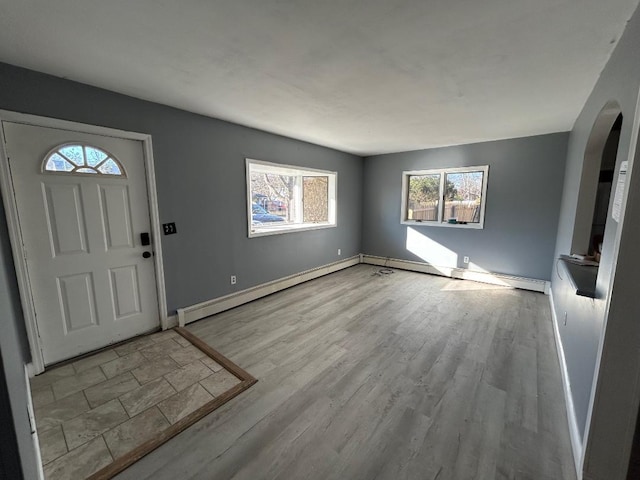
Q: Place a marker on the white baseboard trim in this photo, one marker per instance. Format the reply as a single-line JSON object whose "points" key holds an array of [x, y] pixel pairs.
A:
{"points": [[32, 421], [460, 273], [172, 321], [211, 307], [31, 369], [574, 431]]}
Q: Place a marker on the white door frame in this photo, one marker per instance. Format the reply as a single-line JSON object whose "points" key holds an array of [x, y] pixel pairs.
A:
{"points": [[15, 234], [605, 362]]}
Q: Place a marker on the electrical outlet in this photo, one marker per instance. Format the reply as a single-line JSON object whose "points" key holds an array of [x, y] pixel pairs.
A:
{"points": [[339, 252], [233, 279], [465, 259]]}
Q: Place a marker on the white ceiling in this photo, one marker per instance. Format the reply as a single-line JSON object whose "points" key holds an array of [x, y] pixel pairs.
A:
{"points": [[362, 76]]}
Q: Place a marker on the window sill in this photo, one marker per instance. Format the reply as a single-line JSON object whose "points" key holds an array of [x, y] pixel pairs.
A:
{"points": [[264, 231], [583, 278], [429, 223]]}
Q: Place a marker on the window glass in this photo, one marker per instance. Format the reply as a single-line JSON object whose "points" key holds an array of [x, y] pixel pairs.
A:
{"points": [[94, 156], [284, 198], [58, 163], [463, 196], [445, 197], [424, 197], [82, 159], [74, 153], [315, 199], [109, 167]]}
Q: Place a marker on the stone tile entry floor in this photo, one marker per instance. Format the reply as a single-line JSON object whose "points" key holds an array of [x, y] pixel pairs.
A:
{"points": [[93, 411]]}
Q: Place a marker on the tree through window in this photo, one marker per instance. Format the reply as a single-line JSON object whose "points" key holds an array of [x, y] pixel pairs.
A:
{"points": [[283, 198], [448, 196]]}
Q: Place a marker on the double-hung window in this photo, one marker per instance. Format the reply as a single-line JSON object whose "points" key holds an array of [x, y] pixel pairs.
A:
{"points": [[284, 198], [452, 197]]}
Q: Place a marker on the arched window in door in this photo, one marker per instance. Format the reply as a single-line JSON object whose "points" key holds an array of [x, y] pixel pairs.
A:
{"points": [[78, 158]]}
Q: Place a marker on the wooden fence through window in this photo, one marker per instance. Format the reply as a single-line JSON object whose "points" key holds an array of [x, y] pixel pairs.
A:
{"points": [[461, 212]]}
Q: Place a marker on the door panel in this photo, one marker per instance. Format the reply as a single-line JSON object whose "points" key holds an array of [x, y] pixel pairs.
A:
{"points": [[65, 220], [77, 301], [81, 233], [124, 283], [116, 217]]}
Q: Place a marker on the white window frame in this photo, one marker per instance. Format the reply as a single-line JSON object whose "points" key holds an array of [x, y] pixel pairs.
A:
{"points": [[441, 222], [270, 229]]}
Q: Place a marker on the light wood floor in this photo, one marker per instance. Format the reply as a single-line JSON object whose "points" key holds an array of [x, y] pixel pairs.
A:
{"points": [[362, 376]]}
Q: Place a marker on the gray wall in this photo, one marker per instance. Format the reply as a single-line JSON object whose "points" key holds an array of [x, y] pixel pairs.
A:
{"points": [[200, 171], [15, 353], [524, 190], [611, 428]]}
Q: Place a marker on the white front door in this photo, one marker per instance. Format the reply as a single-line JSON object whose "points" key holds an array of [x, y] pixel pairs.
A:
{"points": [[82, 206]]}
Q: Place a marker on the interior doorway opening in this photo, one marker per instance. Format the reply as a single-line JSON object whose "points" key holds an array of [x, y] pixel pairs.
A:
{"points": [[596, 180], [603, 193]]}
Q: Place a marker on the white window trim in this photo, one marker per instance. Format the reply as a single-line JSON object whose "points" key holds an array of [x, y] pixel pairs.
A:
{"points": [[442, 171], [265, 230]]}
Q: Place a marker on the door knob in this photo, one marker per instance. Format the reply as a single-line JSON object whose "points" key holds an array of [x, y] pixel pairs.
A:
{"points": [[146, 254]]}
